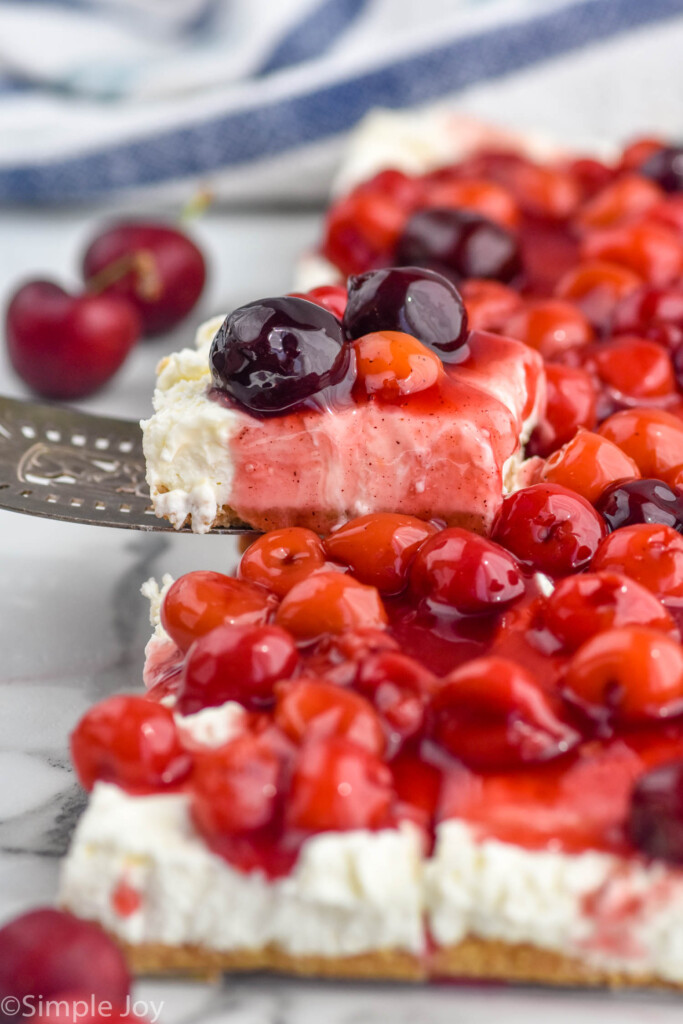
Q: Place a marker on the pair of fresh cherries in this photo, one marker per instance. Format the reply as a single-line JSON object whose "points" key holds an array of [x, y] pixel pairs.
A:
{"points": [[274, 355]]}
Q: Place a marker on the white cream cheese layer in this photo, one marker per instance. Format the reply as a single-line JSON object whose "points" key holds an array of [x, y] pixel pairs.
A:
{"points": [[349, 893], [360, 891], [185, 442]]}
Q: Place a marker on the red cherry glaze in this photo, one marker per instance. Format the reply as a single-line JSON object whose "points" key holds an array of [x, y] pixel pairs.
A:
{"points": [[571, 404], [635, 366], [596, 287], [338, 786], [460, 572], [166, 274], [330, 602], [392, 365], [489, 304], [67, 346], [655, 821], [240, 663], [399, 687], [379, 548], [47, 952], [588, 464], [549, 528], [653, 438], [622, 200], [630, 675], [551, 326], [492, 714], [200, 601], [131, 741], [331, 297], [282, 558], [315, 709], [584, 606], [484, 197], [650, 554], [651, 250]]}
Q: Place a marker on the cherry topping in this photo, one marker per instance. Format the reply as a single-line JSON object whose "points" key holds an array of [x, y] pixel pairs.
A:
{"points": [[665, 166], [412, 300], [653, 251], [596, 287], [618, 202], [391, 366], [655, 313], [67, 346], [380, 548], [631, 674], [315, 709], [572, 403], [131, 741], [581, 607], [459, 244], [655, 820], [551, 326], [641, 501], [653, 438], [649, 553], [332, 297], [236, 788], [47, 952], [588, 464], [200, 601], [338, 786], [273, 354], [399, 687], [633, 366], [156, 268], [476, 195], [489, 304], [240, 663], [458, 571], [550, 528], [492, 714], [330, 602], [281, 558]]}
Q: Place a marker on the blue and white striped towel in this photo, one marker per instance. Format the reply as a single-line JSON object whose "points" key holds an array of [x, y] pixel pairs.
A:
{"points": [[254, 97]]}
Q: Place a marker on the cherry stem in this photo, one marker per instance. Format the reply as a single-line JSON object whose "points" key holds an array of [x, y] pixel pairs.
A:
{"points": [[141, 263]]}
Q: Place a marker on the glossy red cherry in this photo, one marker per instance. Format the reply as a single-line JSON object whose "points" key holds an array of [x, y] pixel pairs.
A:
{"points": [[551, 326], [581, 607], [650, 554], [67, 346], [588, 464], [655, 821], [331, 297], [550, 528], [651, 250], [380, 548], [200, 601], [477, 195], [571, 404], [330, 602], [633, 366], [653, 438], [131, 741], [492, 714], [632, 674], [47, 952], [489, 304], [282, 558], [459, 571], [337, 786], [597, 287], [622, 200], [315, 709], [655, 313], [236, 788], [156, 267], [544, 191], [240, 663], [392, 366], [399, 687]]}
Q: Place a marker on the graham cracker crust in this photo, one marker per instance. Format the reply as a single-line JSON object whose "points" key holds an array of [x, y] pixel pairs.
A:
{"points": [[472, 959]]}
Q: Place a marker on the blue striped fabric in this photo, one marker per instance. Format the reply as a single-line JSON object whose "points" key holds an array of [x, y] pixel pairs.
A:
{"points": [[239, 135]]}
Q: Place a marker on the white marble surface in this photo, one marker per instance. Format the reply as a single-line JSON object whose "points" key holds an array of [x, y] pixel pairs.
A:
{"points": [[73, 628]]}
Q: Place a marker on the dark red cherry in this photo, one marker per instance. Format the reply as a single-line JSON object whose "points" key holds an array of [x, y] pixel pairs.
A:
{"points": [[665, 166], [460, 244], [67, 346], [157, 268], [641, 501], [47, 952], [413, 300], [654, 313], [655, 821], [273, 354]]}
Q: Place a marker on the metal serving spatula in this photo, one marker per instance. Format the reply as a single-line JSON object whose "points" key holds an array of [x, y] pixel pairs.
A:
{"points": [[63, 464]]}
